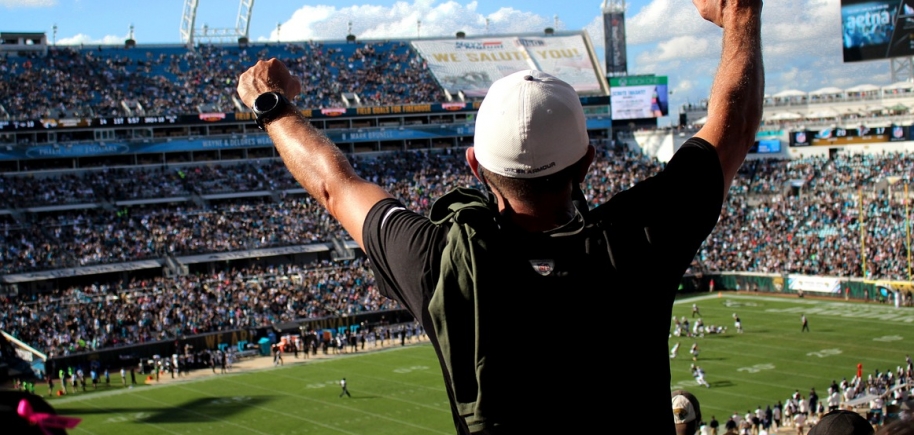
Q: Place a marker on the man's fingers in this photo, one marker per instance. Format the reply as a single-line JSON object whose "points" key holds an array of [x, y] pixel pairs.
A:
{"points": [[266, 76], [711, 10], [282, 78]]}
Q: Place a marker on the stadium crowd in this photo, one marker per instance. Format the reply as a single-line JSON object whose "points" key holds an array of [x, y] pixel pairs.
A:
{"points": [[766, 226], [782, 216], [111, 314], [875, 396], [879, 395], [113, 81]]}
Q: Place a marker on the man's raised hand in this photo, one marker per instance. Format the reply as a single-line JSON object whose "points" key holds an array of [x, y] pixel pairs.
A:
{"points": [[714, 10], [267, 76]]}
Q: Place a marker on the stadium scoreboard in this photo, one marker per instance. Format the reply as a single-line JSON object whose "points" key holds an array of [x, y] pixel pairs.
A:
{"points": [[849, 136], [639, 97]]}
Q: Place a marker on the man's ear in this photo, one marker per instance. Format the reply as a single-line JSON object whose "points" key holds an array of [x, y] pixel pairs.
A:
{"points": [[474, 164], [584, 164]]}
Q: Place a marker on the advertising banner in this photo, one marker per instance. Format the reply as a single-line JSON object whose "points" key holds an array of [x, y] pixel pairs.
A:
{"points": [[877, 29], [849, 136], [639, 97], [616, 56], [227, 118], [800, 138], [471, 65], [766, 146], [817, 284]]}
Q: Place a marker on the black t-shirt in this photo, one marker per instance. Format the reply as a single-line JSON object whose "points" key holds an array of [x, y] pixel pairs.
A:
{"points": [[654, 230]]}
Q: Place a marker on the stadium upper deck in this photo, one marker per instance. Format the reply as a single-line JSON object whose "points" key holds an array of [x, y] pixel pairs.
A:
{"points": [[110, 105], [874, 105], [122, 196], [110, 81], [171, 80]]}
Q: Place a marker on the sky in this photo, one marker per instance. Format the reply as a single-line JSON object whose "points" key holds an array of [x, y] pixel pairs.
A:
{"points": [[801, 38]]}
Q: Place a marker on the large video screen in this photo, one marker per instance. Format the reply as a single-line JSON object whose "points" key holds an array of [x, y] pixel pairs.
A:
{"points": [[766, 146], [639, 97], [877, 29]]}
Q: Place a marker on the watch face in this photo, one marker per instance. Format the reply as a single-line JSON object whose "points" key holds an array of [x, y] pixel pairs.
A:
{"points": [[266, 102]]}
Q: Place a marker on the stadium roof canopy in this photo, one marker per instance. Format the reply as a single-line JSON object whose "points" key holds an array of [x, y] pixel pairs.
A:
{"points": [[783, 116], [898, 86], [821, 114], [790, 93], [863, 88], [827, 91]]}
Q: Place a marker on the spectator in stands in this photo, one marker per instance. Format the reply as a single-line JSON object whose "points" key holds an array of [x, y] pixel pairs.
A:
{"points": [[842, 422], [148, 310], [532, 153], [686, 412], [159, 81]]}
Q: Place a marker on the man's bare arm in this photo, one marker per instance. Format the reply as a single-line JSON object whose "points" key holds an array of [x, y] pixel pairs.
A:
{"points": [[735, 106], [312, 158]]}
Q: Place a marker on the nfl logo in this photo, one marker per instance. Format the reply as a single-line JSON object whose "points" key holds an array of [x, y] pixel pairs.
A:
{"points": [[543, 267]]}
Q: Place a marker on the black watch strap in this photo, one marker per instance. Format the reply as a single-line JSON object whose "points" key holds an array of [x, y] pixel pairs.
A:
{"points": [[268, 106]]}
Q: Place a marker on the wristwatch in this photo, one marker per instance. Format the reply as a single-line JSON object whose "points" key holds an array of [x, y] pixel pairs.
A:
{"points": [[267, 106]]}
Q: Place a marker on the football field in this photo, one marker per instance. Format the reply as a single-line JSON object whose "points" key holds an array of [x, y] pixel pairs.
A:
{"points": [[400, 390], [393, 391], [774, 357]]}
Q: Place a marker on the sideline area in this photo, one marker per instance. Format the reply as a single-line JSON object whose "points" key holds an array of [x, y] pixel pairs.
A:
{"points": [[242, 366]]}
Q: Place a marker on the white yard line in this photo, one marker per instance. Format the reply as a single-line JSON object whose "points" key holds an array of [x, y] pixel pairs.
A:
{"points": [[222, 420], [297, 417], [75, 397], [336, 404], [131, 421], [423, 387]]}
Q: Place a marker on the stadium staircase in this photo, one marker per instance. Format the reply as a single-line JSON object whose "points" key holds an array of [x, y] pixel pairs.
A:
{"points": [[17, 215], [173, 268], [199, 200], [107, 205], [340, 251], [18, 360]]}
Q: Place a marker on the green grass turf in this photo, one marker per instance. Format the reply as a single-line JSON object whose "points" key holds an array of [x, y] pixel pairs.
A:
{"points": [[772, 358], [394, 391], [400, 391]]}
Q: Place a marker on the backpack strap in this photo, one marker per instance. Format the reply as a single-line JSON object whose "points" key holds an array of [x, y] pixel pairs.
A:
{"points": [[468, 257]]}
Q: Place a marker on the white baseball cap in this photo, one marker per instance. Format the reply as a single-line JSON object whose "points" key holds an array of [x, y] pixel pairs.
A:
{"points": [[530, 124], [686, 412], [683, 411]]}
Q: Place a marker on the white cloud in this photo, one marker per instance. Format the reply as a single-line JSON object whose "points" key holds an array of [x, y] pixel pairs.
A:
{"points": [[801, 39], [83, 39], [664, 19], [681, 48], [423, 18], [9, 4], [801, 43]]}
